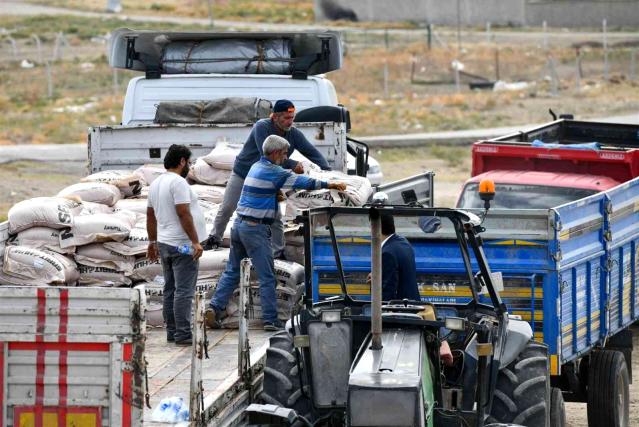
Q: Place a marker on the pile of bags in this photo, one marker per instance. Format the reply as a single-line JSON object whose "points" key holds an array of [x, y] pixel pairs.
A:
{"points": [[93, 233]]}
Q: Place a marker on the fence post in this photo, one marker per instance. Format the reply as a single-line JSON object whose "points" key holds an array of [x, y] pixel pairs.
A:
{"points": [[633, 64], [545, 42], [49, 80], [554, 78], [497, 71], [456, 65], [488, 35], [38, 47], [605, 48], [210, 4], [60, 40], [385, 79], [386, 41], [14, 47], [116, 84], [578, 74], [429, 35]]}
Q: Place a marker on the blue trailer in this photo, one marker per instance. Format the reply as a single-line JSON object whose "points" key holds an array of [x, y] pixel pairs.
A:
{"points": [[571, 271]]}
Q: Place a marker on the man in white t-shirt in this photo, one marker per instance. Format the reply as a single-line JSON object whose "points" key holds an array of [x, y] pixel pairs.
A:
{"points": [[174, 223]]}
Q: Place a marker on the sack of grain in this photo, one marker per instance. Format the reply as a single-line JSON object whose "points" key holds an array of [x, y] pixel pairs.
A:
{"points": [[52, 212], [146, 270], [148, 173], [34, 265], [136, 243], [43, 238], [286, 300], [91, 208], [128, 183], [97, 255], [210, 193], [223, 155], [203, 173], [133, 205], [102, 276], [358, 190], [213, 263], [96, 192], [98, 228]]}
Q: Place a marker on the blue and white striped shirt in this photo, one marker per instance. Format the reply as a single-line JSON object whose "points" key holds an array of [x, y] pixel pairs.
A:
{"points": [[264, 180]]}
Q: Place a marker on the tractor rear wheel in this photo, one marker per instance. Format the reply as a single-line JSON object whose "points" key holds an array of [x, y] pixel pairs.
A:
{"points": [[284, 383], [522, 395], [557, 408]]}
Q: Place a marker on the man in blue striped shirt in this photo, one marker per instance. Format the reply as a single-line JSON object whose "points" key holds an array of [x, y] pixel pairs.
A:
{"points": [[251, 232], [280, 123]]}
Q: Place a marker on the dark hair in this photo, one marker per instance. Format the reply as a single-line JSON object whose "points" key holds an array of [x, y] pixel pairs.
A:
{"points": [[175, 154], [388, 225]]}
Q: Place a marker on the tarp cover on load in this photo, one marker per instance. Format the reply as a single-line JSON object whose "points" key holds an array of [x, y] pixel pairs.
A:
{"points": [[223, 110], [299, 54], [232, 56]]}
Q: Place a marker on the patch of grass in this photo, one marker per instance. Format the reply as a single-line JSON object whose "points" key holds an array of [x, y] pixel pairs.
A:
{"points": [[76, 28]]}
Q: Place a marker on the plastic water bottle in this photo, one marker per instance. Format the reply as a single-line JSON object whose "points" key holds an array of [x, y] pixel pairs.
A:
{"points": [[186, 249], [171, 410]]}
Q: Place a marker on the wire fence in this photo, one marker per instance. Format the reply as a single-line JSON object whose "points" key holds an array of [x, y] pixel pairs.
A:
{"points": [[443, 60]]}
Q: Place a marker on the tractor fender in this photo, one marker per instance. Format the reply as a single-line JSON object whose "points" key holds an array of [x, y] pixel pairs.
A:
{"points": [[518, 335]]}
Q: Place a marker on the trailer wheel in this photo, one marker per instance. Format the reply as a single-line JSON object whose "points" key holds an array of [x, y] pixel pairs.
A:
{"points": [[608, 396], [282, 385], [557, 408], [522, 395]]}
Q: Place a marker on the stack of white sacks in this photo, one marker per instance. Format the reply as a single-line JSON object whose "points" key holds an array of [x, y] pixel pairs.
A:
{"points": [[94, 233]]}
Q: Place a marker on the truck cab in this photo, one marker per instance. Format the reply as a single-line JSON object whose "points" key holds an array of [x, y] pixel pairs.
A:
{"points": [[555, 164]]}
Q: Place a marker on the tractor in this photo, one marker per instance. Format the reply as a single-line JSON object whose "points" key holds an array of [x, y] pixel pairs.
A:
{"points": [[352, 359]]}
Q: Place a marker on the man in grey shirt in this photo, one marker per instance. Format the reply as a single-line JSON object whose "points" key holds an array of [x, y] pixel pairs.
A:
{"points": [[176, 226], [281, 124]]}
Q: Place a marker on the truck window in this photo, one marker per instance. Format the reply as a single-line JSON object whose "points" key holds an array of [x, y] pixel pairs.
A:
{"points": [[515, 196]]}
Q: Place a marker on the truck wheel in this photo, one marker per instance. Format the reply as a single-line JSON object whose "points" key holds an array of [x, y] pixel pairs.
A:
{"points": [[608, 398], [282, 385], [522, 395], [557, 408]]}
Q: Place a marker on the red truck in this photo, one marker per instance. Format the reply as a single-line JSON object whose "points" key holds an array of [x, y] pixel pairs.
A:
{"points": [[552, 165]]}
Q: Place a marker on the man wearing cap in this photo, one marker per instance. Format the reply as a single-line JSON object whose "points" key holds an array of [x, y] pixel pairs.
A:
{"points": [[281, 124], [251, 234]]}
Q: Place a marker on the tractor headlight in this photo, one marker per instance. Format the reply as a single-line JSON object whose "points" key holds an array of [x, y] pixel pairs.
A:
{"points": [[455, 323], [331, 316]]}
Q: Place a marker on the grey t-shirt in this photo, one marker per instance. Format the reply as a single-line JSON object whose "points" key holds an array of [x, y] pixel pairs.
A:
{"points": [[166, 191]]}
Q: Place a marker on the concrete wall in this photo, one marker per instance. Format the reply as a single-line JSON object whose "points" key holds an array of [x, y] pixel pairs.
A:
{"points": [[564, 13], [583, 13]]}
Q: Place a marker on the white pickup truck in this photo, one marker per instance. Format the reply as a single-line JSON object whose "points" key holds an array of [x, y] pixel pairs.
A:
{"points": [[84, 356]]}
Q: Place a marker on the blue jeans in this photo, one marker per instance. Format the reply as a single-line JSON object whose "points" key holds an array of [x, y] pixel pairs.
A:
{"points": [[249, 240], [180, 277]]}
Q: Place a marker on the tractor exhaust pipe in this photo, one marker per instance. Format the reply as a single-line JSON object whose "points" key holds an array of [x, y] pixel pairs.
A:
{"points": [[376, 279]]}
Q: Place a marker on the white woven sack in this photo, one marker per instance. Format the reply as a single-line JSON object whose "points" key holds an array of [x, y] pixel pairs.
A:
{"points": [[134, 205], [97, 255], [92, 208], [210, 193], [285, 297], [213, 263], [43, 238], [96, 192], [223, 155], [147, 271], [98, 228], [309, 167], [203, 173], [34, 265], [102, 276], [52, 212], [128, 183], [148, 173], [136, 243]]}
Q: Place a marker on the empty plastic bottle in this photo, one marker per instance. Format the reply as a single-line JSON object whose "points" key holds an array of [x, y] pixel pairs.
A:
{"points": [[186, 249]]}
